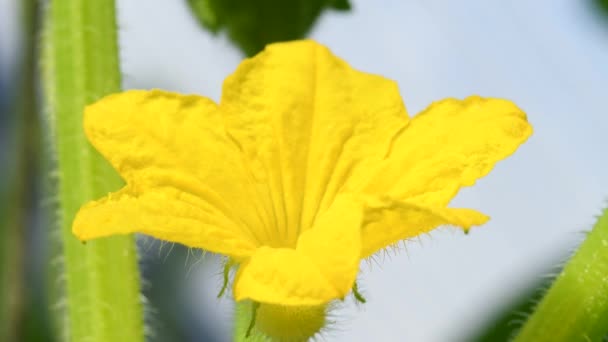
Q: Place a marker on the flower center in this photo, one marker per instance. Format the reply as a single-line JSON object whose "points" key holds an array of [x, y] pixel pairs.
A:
{"points": [[290, 323]]}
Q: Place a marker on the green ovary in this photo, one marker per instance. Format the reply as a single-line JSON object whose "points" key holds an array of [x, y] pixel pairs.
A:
{"points": [[290, 323]]}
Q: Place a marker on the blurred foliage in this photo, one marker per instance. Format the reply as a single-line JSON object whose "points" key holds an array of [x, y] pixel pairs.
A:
{"points": [[252, 24], [504, 324], [506, 321], [20, 307], [602, 5]]}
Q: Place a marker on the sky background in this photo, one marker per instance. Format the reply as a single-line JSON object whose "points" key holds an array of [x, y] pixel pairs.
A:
{"points": [[548, 56]]}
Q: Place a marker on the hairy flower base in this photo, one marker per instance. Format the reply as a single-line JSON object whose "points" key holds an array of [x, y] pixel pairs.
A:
{"points": [[290, 323]]}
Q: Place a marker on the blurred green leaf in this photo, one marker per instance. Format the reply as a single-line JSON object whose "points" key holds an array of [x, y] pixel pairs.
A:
{"points": [[506, 321], [17, 189], [252, 24], [602, 5]]}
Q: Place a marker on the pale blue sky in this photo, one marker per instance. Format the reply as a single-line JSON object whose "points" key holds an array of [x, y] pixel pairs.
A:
{"points": [[549, 56]]}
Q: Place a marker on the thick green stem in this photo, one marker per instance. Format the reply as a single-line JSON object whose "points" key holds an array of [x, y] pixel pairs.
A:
{"points": [[80, 65], [576, 306]]}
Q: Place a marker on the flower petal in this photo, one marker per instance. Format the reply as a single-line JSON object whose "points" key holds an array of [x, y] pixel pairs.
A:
{"points": [[167, 214], [306, 120], [334, 243], [170, 147], [449, 145], [282, 276], [323, 267], [388, 221]]}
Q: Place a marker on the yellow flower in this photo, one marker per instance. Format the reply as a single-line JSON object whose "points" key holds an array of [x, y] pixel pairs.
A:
{"points": [[305, 167]]}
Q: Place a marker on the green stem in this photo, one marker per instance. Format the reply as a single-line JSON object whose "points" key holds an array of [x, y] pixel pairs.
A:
{"points": [[576, 306], [80, 65]]}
